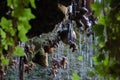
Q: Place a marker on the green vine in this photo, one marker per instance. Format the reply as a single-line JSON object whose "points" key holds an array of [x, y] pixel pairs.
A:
{"points": [[107, 30], [14, 28]]}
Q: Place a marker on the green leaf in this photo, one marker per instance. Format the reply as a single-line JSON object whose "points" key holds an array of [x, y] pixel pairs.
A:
{"points": [[97, 6], [75, 76], [19, 51], [25, 3], [23, 28], [32, 2], [6, 47], [100, 57], [118, 17], [7, 42], [5, 24], [9, 2], [12, 31], [22, 33], [94, 59], [106, 61], [26, 25], [28, 14], [22, 36], [2, 33], [25, 15], [98, 29], [5, 61], [100, 69], [80, 58], [16, 3], [101, 20], [112, 78], [101, 44], [4, 43], [91, 73], [95, 46], [101, 41], [10, 41]]}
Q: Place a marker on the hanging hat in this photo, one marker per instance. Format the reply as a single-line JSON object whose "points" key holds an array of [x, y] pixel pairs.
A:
{"points": [[41, 58]]}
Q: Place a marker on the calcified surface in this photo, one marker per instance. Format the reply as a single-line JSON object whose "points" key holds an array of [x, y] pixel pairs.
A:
{"points": [[81, 67]]}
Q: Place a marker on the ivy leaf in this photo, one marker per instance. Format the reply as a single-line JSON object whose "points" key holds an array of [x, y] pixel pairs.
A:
{"points": [[112, 78], [26, 25], [18, 51], [100, 69], [2, 33], [118, 17], [16, 3], [32, 2], [28, 14], [91, 73], [12, 31], [4, 43], [75, 76], [22, 33], [23, 28], [80, 58], [101, 20], [106, 61], [94, 59], [22, 36], [25, 15], [9, 3], [98, 29], [97, 6], [10, 41], [5, 61], [101, 44], [7, 42], [5, 24], [6, 47], [101, 41]]}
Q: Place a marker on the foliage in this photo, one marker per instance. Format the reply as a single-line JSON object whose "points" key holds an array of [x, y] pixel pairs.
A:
{"points": [[14, 27], [75, 76], [18, 51], [107, 32], [4, 60], [80, 58]]}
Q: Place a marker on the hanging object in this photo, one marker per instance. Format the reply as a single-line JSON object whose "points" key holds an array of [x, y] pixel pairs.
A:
{"points": [[57, 64], [41, 58], [81, 14], [49, 49], [60, 63], [68, 35]]}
